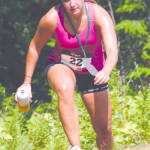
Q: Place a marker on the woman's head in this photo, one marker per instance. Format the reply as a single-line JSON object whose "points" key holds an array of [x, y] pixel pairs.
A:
{"points": [[73, 7]]}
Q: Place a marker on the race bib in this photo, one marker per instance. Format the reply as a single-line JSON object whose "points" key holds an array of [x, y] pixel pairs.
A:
{"points": [[74, 61]]}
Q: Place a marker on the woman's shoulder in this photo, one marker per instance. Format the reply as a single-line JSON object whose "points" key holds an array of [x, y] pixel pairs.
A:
{"points": [[49, 20], [101, 14], [99, 10], [51, 15]]}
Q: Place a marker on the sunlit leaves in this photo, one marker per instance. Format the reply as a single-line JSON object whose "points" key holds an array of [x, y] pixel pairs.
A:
{"points": [[130, 8], [138, 72], [51, 42], [135, 28], [134, 36], [146, 50]]}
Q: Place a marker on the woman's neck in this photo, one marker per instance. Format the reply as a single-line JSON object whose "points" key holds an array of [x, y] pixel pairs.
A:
{"points": [[76, 20]]}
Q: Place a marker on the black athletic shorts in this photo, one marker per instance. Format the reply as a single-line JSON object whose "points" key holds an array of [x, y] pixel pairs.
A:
{"points": [[85, 82]]}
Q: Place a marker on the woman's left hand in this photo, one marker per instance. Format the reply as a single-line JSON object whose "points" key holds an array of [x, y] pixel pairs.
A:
{"points": [[101, 78]]}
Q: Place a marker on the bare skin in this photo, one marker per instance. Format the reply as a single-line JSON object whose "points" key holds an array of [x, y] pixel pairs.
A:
{"points": [[99, 107], [62, 79]]}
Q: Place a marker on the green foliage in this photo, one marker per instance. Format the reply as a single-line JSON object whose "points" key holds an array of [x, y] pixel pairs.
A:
{"points": [[146, 50], [135, 28], [130, 113], [51, 42], [130, 8], [41, 128], [134, 41], [2, 92], [138, 72]]}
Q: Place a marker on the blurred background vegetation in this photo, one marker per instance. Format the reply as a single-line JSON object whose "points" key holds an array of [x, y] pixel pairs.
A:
{"points": [[129, 84]]}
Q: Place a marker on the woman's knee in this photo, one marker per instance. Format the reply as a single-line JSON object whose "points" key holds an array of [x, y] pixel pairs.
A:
{"points": [[61, 79], [65, 89], [65, 94]]}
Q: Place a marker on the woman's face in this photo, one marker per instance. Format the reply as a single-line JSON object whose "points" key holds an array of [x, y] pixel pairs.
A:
{"points": [[73, 7]]}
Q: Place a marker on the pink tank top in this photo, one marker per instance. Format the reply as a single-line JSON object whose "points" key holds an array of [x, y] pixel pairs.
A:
{"points": [[69, 42]]}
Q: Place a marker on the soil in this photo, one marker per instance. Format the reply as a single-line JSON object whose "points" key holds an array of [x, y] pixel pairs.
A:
{"points": [[140, 147]]}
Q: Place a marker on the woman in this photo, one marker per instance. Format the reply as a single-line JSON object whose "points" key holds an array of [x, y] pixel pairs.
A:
{"points": [[79, 28]]}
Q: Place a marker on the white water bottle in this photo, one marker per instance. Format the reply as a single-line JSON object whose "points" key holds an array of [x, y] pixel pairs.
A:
{"points": [[23, 98]]}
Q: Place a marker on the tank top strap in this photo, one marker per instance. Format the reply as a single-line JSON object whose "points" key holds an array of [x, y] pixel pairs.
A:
{"points": [[91, 11], [60, 15]]}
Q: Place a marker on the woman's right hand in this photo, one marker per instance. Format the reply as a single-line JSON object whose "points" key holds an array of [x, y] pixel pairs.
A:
{"points": [[27, 86]]}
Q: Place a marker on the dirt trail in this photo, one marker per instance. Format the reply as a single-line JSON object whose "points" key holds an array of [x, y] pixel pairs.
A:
{"points": [[140, 147]]}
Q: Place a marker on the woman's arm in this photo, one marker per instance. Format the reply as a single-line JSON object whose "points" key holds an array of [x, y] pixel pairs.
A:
{"points": [[106, 27], [44, 31]]}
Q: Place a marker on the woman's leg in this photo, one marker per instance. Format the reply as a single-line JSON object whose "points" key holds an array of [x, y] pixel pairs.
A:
{"points": [[62, 79], [99, 108]]}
